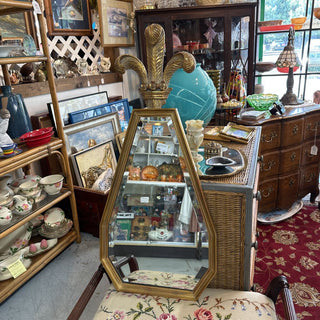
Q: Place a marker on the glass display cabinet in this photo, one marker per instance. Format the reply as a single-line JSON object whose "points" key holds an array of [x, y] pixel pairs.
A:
{"points": [[156, 209], [220, 37]]}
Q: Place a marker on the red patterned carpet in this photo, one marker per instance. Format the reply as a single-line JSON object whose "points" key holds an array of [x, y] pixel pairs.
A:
{"points": [[292, 248]]}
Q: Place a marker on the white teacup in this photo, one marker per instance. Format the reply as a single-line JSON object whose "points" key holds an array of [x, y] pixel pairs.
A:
{"points": [[5, 215], [29, 187]]}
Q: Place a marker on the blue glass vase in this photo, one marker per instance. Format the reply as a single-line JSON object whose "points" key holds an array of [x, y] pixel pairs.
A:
{"points": [[193, 94], [19, 122]]}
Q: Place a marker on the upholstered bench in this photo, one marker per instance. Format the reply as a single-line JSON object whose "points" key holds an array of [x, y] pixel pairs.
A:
{"points": [[212, 304]]}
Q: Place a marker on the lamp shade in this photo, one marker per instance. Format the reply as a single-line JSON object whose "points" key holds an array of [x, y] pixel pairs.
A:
{"points": [[288, 58]]}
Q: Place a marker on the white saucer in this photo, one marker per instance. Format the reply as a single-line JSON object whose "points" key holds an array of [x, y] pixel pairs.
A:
{"points": [[57, 232]]}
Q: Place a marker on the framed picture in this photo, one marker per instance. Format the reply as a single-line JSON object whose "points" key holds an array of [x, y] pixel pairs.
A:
{"points": [[120, 140], [116, 23], [90, 164], [157, 130], [237, 132], [77, 104], [81, 136], [68, 18], [15, 27], [123, 109]]}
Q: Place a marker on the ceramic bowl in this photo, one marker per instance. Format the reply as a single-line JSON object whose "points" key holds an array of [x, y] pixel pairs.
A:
{"points": [[8, 202], [264, 66], [5, 216], [269, 23], [4, 195], [299, 20], [15, 184], [54, 217], [29, 187], [52, 184], [316, 12]]}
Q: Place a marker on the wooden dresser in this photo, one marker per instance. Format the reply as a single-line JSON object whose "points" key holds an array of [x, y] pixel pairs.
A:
{"points": [[288, 170]]}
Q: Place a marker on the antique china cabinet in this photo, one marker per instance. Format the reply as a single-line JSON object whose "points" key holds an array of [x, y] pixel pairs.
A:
{"points": [[220, 37], [28, 156]]}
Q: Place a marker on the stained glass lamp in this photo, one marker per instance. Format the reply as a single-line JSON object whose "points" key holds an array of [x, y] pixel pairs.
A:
{"points": [[288, 62]]}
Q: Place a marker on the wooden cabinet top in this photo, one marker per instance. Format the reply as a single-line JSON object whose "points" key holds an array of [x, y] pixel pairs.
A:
{"points": [[290, 113]]}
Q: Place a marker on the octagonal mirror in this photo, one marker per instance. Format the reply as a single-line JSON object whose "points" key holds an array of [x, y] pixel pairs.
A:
{"points": [[157, 212]]}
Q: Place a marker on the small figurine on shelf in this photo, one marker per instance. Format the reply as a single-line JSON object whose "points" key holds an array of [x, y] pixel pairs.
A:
{"points": [[105, 64], [4, 123]]}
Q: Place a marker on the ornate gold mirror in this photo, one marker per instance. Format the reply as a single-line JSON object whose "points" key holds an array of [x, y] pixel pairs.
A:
{"points": [[156, 210]]}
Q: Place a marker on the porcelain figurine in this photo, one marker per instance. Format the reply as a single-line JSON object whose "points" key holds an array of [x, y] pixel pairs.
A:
{"points": [[105, 64]]}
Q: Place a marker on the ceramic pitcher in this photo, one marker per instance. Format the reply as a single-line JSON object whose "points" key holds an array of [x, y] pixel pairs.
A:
{"points": [[21, 204]]}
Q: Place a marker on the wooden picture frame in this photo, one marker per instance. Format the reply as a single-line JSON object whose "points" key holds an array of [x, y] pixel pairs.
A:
{"points": [[80, 136], [236, 132], [116, 20], [68, 18], [123, 109], [120, 140], [67, 106], [99, 156], [16, 26]]}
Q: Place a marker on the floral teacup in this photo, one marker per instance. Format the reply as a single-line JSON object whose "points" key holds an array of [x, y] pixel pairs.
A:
{"points": [[21, 204]]}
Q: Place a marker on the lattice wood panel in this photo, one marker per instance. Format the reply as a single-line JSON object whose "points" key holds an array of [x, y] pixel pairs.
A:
{"points": [[85, 47]]}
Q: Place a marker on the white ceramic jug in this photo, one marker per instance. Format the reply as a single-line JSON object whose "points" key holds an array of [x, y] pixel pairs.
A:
{"points": [[21, 204]]}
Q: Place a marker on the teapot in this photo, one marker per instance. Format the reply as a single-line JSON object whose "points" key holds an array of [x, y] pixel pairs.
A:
{"points": [[21, 204]]}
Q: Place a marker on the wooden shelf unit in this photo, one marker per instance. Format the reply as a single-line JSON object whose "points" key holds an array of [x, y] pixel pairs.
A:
{"points": [[31, 155]]}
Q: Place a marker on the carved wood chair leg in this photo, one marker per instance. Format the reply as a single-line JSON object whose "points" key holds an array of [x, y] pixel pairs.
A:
{"points": [[86, 295], [280, 285]]}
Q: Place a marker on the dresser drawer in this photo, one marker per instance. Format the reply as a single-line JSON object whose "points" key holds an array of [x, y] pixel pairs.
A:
{"points": [[270, 136], [311, 125], [307, 158], [290, 159], [270, 165], [288, 190], [308, 180], [269, 193], [292, 132]]}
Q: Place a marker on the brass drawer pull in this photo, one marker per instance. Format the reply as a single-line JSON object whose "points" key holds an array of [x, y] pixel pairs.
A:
{"points": [[270, 166], [272, 136], [295, 129], [293, 156], [291, 182], [267, 193], [310, 179]]}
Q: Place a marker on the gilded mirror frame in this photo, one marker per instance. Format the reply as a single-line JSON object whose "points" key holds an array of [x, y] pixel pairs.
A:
{"points": [[109, 210]]}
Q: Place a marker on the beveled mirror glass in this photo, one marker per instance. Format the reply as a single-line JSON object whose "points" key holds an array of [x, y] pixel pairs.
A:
{"points": [[156, 211]]}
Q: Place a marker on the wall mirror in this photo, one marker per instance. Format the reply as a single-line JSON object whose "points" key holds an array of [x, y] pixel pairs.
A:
{"points": [[156, 211]]}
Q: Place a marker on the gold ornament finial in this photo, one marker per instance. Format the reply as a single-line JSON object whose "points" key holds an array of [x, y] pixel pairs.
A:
{"points": [[154, 81]]}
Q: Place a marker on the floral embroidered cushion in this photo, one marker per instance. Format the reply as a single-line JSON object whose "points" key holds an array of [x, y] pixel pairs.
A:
{"points": [[213, 304]]}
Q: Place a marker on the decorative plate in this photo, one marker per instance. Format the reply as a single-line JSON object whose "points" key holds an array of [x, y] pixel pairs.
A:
{"points": [[57, 232], [51, 244], [29, 46]]}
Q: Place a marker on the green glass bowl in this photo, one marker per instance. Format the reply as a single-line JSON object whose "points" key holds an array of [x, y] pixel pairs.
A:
{"points": [[262, 101]]}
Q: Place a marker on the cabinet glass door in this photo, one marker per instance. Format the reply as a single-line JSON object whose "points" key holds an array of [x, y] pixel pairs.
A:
{"points": [[217, 43]]}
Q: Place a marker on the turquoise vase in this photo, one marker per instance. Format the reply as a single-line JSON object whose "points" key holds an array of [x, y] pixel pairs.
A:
{"points": [[19, 122], [193, 94]]}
